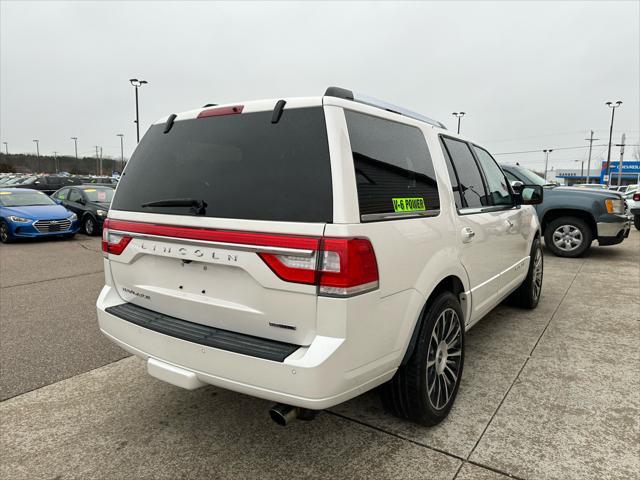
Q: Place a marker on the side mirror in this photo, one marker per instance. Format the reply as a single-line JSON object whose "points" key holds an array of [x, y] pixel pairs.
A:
{"points": [[516, 186], [530, 195], [57, 200]]}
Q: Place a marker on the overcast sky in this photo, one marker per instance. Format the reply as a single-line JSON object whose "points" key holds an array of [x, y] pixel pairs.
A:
{"points": [[529, 75]]}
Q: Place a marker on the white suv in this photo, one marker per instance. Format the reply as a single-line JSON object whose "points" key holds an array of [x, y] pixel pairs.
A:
{"points": [[307, 250]]}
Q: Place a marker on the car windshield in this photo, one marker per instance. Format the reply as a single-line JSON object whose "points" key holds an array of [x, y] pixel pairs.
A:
{"points": [[101, 195], [24, 199], [529, 177]]}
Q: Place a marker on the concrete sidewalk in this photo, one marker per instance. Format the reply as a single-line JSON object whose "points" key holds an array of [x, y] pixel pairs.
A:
{"points": [[546, 394]]}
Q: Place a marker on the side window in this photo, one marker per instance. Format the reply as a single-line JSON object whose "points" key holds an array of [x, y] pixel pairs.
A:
{"points": [[74, 196], [496, 181], [454, 179], [469, 176], [393, 166], [62, 194]]}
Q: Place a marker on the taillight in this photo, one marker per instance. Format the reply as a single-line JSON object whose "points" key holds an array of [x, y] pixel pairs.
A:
{"points": [[636, 197], [113, 242], [342, 267]]}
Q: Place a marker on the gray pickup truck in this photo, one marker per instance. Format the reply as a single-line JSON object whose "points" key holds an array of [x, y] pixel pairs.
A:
{"points": [[571, 218]]}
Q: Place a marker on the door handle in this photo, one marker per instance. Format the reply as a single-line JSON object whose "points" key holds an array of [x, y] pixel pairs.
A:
{"points": [[467, 234]]}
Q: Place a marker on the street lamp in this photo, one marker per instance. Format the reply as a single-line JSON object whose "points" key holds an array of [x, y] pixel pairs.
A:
{"points": [[546, 161], [136, 84], [37, 142], [613, 107], [121, 151], [6, 147], [75, 141], [458, 115]]}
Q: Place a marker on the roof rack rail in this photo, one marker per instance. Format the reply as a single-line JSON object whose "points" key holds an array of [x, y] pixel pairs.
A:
{"points": [[374, 102]]}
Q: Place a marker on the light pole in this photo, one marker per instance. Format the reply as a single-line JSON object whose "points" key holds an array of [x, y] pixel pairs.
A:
{"points": [[75, 141], [613, 107], [37, 142], [581, 169], [121, 151], [546, 161], [459, 116], [6, 147], [55, 161], [590, 140], [136, 84]]}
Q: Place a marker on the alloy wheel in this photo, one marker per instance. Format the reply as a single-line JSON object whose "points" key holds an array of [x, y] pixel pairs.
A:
{"points": [[89, 226], [537, 273], [444, 358], [567, 238]]}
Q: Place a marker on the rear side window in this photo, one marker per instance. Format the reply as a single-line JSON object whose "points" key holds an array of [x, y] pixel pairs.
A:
{"points": [[469, 177], [394, 171], [242, 166], [496, 181]]}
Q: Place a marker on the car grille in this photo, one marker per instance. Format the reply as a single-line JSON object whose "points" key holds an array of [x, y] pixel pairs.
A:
{"points": [[48, 226]]}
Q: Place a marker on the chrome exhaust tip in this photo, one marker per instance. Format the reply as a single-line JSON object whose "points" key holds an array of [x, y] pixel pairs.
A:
{"points": [[283, 414]]}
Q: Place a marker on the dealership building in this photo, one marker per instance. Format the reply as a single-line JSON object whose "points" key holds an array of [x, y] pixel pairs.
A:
{"points": [[630, 174]]}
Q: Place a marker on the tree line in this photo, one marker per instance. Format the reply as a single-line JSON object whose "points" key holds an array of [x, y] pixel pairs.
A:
{"points": [[30, 163]]}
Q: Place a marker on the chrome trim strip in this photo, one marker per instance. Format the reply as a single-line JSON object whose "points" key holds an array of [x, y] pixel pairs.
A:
{"points": [[397, 215], [489, 209], [230, 246]]}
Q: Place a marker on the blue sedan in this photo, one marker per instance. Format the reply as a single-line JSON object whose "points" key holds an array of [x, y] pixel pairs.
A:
{"points": [[29, 213]]}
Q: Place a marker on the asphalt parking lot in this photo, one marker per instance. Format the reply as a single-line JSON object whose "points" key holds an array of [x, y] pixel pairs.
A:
{"points": [[546, 394]]}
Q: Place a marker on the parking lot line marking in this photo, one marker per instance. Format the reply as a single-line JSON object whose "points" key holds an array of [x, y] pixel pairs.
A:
{"points": [[51, 279], [553, 315]]}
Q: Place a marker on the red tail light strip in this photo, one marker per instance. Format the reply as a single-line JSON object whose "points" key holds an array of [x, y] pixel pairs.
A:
{"points": [[210, 235]]}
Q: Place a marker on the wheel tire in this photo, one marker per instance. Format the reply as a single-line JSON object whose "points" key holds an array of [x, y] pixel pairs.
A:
{"points": [[5, 236], [528, 294], [407, 394], [568, 225], [89, 226], [636, 221]]}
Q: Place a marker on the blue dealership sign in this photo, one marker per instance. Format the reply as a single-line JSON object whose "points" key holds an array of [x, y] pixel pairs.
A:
{"points": [[630, 168]]}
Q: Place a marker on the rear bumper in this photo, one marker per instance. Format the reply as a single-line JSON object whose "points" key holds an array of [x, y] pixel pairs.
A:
{"points": [[315, 377]]}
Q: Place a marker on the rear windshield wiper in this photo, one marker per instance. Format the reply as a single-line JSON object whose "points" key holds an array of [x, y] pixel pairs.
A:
{"points": [[198, 207]]}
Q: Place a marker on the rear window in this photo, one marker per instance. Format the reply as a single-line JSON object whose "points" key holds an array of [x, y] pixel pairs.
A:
{"points": [[241, 166], [394, 171]]}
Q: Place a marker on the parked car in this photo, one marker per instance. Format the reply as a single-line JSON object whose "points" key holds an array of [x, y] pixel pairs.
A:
{"points": [[110, 181], [596, 186], [48, 183], [89, 202], [30, 213], [633, 203], [572, 218], [310, 249]]}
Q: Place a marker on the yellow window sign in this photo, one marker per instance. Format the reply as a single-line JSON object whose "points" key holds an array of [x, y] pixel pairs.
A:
{"points": [[411, 204], [89, 189], [5, 193]]}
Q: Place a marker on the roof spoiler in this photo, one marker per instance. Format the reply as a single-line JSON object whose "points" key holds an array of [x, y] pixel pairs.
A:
{"points": [[374, 102]]}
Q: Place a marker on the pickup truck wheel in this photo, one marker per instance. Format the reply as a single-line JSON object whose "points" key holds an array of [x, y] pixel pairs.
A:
{"points": [[568, 237], [424, 389], [528, 294], [636, 221]]}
